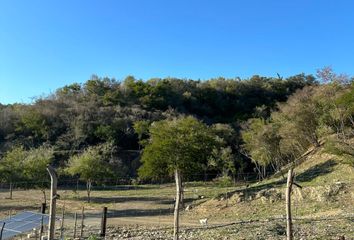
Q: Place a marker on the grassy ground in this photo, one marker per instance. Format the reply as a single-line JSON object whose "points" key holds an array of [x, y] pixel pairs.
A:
{"points": [[323, 208]]}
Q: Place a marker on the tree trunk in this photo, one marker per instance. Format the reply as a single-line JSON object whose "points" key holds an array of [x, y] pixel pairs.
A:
{"points": [[88, 187], [258, 168], [10, 190], [177, 204], [182, 193]]}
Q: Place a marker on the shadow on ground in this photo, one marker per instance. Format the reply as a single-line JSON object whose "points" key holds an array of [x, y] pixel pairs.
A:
{"points": [[122, 199], [307, 176], [316, 171], [131, 213]]}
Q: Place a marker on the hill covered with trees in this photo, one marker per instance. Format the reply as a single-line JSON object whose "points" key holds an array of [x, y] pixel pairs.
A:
{"points": [[257, 123]]}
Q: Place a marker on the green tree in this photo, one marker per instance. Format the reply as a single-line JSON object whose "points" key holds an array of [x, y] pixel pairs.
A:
{"points": [[35, 167], [36, 162], [31, 125], [261, 142], [180, 146], [223, 158], [11, 166], [92, 165]]}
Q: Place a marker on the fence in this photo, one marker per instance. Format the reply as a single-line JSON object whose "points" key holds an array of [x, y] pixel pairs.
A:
{"points": [[211, 210]]}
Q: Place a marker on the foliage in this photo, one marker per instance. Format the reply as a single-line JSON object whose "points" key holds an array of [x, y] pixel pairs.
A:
{"points": [[262, 142], [223, 160], [182, 144], [20, 164], [343, 149], [92, 164], [309, 116], [35, 164], [79, 116], [224, 181], [11, 165]]}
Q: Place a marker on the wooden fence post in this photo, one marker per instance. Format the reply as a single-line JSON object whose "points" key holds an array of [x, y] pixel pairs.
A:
{"points": [[43, 207], [177, 204], [289, 227], [53, 200], [75, 223], [82, 222], [62, 223], [104, 222]]}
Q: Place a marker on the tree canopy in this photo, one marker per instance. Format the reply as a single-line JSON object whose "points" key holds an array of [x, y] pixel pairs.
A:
{"points": [[184, 144], [78, 117]]}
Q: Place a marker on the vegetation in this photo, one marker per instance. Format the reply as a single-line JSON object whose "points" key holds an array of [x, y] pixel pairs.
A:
{"points": [[180, 146], [92, 165], [311, 116], [26, 165], [79, 116], [259, 124]]}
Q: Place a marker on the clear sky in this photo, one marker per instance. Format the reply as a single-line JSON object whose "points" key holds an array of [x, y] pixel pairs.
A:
{"points": [[48, 44]]}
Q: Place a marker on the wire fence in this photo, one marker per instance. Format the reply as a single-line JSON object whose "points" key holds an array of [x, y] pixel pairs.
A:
{"points": [[210, 209]]}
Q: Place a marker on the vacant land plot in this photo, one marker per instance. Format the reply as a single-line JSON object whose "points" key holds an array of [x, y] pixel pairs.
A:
{"points": [[322, 209]]}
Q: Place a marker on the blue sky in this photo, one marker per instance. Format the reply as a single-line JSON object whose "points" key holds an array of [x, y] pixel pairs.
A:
{"points": [[47, 44]]}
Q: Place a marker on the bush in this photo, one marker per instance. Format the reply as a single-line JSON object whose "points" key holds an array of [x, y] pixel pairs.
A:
{"points": [[224, 181]]}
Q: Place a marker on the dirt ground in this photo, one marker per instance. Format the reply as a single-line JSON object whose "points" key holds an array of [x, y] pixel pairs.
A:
{"points": [[146, 212]]}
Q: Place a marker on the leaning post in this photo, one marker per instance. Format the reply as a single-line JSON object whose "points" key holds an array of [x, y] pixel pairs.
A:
{"points": [[53, 199], [2, 229]]}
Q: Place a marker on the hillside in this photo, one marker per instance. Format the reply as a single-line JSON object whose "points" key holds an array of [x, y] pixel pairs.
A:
{"points": [[322, 209]]}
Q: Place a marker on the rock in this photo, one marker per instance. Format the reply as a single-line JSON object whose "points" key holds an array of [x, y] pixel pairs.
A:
{"points": [[271, 195], [188, 208], [333, 190]]}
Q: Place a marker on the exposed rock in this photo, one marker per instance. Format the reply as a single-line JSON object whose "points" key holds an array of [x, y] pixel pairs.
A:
{"points": [[271, 195], [188, 208]]}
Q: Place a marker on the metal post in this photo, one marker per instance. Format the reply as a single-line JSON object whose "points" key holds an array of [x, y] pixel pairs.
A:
{"points": [[2, 229], [53, 200], [104, 222]]}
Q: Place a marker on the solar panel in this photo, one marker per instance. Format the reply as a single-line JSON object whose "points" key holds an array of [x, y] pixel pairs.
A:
{"points": [[22, 222]]}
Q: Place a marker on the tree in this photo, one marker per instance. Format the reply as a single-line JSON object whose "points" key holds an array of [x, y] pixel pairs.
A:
{"points": [[298, 122], [36, 162], [35, 166], [178, 146], [141, 128], [32, 123], [223, 160], [91, 165], [261, 142], [11, 166], [223, 157], [77, 116]]}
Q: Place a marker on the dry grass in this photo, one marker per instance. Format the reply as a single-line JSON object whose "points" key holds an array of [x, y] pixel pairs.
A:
{"points": [[151, 205]]}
